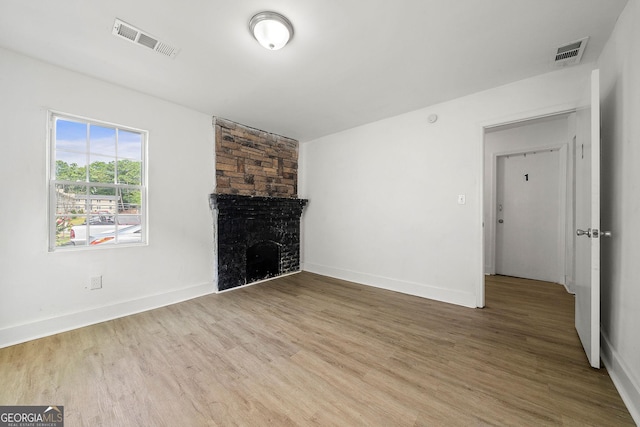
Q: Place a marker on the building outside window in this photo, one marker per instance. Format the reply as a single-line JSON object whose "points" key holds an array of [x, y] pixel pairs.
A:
{"points": [[96, 184]]}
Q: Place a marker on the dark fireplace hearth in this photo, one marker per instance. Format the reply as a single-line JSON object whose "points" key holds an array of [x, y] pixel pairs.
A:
{"points": [[258, 237]]}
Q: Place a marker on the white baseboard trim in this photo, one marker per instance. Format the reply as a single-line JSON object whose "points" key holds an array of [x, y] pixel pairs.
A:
{"points": [[570, 286], [45, 327], [466, 299], [627, 385]]}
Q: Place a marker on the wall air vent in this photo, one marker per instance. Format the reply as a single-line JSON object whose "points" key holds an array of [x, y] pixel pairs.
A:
{"points": [[139, 37], [571, 53]]}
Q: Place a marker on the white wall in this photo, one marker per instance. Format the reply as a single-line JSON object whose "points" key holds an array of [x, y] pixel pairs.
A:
{"points": [[383, 204], [42, 292], [554, 131], [620, 100]]}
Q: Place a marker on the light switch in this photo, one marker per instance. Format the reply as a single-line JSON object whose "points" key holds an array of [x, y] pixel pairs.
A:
{"points": [[462, 199]]}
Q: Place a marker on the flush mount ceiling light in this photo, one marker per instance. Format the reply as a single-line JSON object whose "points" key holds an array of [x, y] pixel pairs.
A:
{"points": [[272, 30]]}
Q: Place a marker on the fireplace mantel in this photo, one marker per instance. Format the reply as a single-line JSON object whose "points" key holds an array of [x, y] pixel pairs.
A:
{"points": [[246, 206]]}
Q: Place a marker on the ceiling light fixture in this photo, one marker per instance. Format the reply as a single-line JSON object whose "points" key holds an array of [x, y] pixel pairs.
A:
{"points": [[272, 30]]}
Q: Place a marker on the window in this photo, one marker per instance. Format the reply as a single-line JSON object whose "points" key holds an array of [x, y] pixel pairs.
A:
{"points": [[96, 184]]}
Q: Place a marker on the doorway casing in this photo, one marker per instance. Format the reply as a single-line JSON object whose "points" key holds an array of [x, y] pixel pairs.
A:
{"points": [[516, 119]]}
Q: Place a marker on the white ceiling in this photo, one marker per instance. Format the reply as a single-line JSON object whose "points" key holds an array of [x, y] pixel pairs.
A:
{"points": [[350, 62]]}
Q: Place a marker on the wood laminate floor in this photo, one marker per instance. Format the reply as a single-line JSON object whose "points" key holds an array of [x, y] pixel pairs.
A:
{"points": [[310, 350]]}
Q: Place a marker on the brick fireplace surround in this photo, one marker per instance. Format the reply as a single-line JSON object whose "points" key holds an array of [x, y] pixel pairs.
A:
{"points": [[258, 212]]}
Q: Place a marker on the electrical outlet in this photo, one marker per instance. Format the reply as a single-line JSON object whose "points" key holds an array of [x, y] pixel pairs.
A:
{"points": [[96, 282]]}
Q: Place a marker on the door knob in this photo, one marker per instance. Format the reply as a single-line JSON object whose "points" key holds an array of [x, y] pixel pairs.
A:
{"points": [[501, 221], [595, 233], [583, 232]]}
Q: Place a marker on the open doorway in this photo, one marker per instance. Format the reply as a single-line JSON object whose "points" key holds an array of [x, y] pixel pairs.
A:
{"points": [[528, 193]]}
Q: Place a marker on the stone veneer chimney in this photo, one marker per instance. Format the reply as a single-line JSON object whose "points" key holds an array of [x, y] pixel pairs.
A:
{"points": [[252, 162]]}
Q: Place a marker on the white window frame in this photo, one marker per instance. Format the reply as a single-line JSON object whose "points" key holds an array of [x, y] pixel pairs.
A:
{"points": [[53, 182]]}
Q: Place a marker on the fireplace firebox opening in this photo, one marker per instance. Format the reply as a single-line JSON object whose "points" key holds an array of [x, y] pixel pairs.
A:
{"points": [[263, 261]]}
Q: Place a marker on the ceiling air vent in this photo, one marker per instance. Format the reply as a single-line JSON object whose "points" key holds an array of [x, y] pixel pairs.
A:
{"points": [[570, 54], [139, 37]]}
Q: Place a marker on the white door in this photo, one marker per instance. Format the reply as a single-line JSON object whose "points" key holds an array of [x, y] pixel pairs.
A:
{"points": [[588, 222], [528, 216]]}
